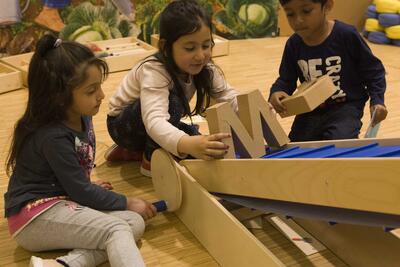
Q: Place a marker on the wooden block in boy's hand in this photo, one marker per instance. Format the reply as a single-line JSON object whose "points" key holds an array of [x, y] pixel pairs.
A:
{"points": [[308, 96]]}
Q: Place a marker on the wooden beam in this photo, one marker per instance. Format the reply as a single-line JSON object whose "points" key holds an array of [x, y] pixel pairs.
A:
{"points": [[368, 184], [347, 142]]}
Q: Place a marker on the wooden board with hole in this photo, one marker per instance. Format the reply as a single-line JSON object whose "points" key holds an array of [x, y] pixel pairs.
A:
{"points": [[21, 63], [221, 47], [123, 53], [10, 78]]}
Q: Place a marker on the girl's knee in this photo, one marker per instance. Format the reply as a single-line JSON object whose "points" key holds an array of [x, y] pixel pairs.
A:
{"points": [[28, 244], [136, 224]]}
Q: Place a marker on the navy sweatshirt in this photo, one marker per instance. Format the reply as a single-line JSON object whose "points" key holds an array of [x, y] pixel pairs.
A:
{"points": [[57, 161], [344, 55]]}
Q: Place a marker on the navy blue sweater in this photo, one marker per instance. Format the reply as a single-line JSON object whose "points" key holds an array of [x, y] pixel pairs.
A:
{"points": [[57, 161], [344, 55]]}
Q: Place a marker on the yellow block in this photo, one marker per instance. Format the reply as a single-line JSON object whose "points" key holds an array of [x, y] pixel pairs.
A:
{"points": [[387, 6], [372, 25], [393, 32]]}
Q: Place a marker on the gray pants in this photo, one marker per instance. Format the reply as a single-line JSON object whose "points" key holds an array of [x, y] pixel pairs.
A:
{"points": [[93, 235]]}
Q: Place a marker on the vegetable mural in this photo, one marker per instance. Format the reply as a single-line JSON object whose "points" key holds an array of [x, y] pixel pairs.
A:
{"points": [[92, 20], [233, 19], [88, 22], [239, 19]]}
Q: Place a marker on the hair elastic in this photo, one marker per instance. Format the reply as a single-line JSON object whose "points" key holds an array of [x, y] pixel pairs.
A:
{"points": [[57, 43]]}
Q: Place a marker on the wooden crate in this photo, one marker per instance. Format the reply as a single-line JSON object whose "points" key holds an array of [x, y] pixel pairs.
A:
{"points": [[10, 78], [308, 96], [124, 53], [221, 47], [21, 63]]}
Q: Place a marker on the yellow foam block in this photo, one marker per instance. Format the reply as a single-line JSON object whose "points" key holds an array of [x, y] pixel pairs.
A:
{"points": [[372, 25], [386, 6], [393, 32]]}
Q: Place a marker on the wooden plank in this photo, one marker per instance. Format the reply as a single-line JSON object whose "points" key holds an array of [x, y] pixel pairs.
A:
{"points": [[347, 142], [225, 238], [10, 78], [368, 184], [297, 235]]}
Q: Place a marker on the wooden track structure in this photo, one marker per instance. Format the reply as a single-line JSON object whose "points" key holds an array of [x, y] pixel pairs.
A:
{"points": [[368, 186]]}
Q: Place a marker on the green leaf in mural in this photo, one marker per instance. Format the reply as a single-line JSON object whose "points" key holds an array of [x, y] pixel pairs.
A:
{"points": [[247, 18], [69, 30], [124, 27], [148, 17], [83, 14]]}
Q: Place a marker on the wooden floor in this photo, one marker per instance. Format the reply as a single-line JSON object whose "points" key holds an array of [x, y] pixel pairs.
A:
{"points": [[252, 64]]}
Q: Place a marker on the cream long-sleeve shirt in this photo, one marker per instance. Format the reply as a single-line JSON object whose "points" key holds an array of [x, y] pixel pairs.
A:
{"points": [[151, 83]]}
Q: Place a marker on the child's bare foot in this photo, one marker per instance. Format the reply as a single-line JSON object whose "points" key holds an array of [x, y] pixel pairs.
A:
{"points": [[39, 262], [50, 19]]}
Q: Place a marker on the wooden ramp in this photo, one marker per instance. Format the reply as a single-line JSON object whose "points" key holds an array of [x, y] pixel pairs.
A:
{"points": [[327, 190]]}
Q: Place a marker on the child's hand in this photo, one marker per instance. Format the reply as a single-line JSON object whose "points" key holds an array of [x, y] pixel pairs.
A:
{"points": [[275, 100], [144, 208], [104, 184], [205, 147], [380, 113]]}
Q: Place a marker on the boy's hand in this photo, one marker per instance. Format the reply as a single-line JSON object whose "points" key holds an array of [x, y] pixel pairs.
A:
{"points": [[205, 147], [144, 208], [380, 113], [106, 185], [276, 99]]}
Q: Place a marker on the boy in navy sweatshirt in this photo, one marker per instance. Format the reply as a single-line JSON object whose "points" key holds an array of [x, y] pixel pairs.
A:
{"points": [[320, 46]]}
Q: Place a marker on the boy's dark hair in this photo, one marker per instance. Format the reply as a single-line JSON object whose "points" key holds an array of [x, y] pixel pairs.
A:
{"points": [[55, 70], [284, 2], [179, 18]]}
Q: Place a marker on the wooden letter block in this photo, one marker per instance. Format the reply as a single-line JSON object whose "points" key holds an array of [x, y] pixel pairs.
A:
{"points": [[255, 123], [308, 96]]}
